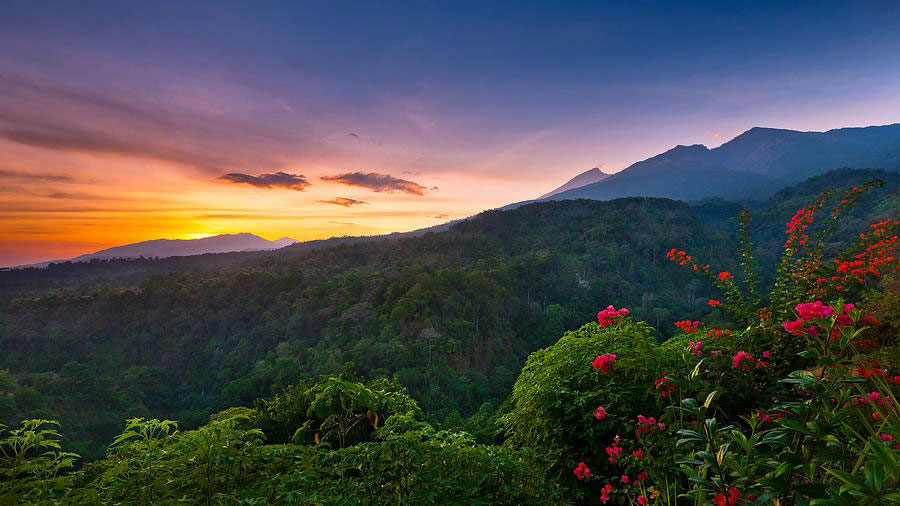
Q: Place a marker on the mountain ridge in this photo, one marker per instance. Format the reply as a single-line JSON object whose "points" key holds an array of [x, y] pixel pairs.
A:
{"points": [[752, 166], [587, 177], [164, 248]]}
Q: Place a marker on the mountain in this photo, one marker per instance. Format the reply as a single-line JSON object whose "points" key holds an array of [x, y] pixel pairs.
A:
{"points": [[752, 166], [164, 248], [587, 177]]}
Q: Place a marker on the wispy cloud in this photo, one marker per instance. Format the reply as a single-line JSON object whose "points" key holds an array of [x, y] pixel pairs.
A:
{"points": [[377, 182], [343, 201], [49, 115], [274, 180], [12, 174], [441, 216]]}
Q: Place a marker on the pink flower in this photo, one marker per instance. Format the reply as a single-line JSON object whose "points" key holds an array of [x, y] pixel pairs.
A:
{"points": [[638, 454], [604, 362], [609, 316], [797, 328], [599, 413], [614, 453], [643, 476], [740, 357], [814, 310], [696, 348], [661, 426], [885, 437], [763, 417], [624, 478], [642, 500], [767, 354]]}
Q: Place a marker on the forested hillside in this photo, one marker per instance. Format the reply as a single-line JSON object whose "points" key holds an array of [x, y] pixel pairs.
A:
{"points": [[450, 315]]}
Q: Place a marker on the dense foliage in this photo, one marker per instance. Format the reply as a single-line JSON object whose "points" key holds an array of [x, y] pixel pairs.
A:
{"points": [[360, 360]]}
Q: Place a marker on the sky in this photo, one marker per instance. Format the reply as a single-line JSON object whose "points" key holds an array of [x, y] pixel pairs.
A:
{"points": [[127, 121]]}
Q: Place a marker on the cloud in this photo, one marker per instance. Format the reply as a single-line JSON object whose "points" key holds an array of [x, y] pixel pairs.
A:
{"points": [[148, 124], [441, 216], [275, 180], [343, 201], [377, 182], [715, 135], [11, 174], [354, 135]]}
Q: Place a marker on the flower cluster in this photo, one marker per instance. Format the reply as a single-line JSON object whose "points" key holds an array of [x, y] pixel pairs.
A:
{"points": [[741, 356], [582, 471], [604, 492], [804, 325], [725, 277], [646, 425], [682, 258], [714, 303], [733, 498], [874, 398], [614, 452], [609, 316], [714, 333], [665, 386], [697, 348], [799, 223], [605, 362], [600, 413], [688, 326], [877, 256]]}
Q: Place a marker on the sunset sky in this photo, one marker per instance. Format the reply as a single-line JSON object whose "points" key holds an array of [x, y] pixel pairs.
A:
{"points": [[127, 121]]}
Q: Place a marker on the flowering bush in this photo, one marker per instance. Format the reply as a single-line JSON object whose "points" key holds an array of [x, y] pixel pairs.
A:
{"points": [[799, 407]]}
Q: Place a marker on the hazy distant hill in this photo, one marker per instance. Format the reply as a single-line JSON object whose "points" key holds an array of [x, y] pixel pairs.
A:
{"points": [[752, 166], [164, 248], [585, 178]]}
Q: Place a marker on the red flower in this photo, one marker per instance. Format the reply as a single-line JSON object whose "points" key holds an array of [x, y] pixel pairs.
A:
{"points": [[642, 500], [614, 452], [725, 276], [604, 492], [599, 413], [734, 495], [638, 454], [582, 471], [604, 362], [624, 478], [714, 303], [688, 326]]}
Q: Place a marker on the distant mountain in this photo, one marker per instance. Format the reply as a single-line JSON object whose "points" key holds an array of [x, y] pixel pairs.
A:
{"points": [[594, 175], [752, 166], [164, 248]]}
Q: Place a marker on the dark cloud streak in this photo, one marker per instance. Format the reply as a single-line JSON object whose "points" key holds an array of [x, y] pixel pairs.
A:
{"points": [[58, 178], [343, 201], [274, 180], [377, 182]]}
